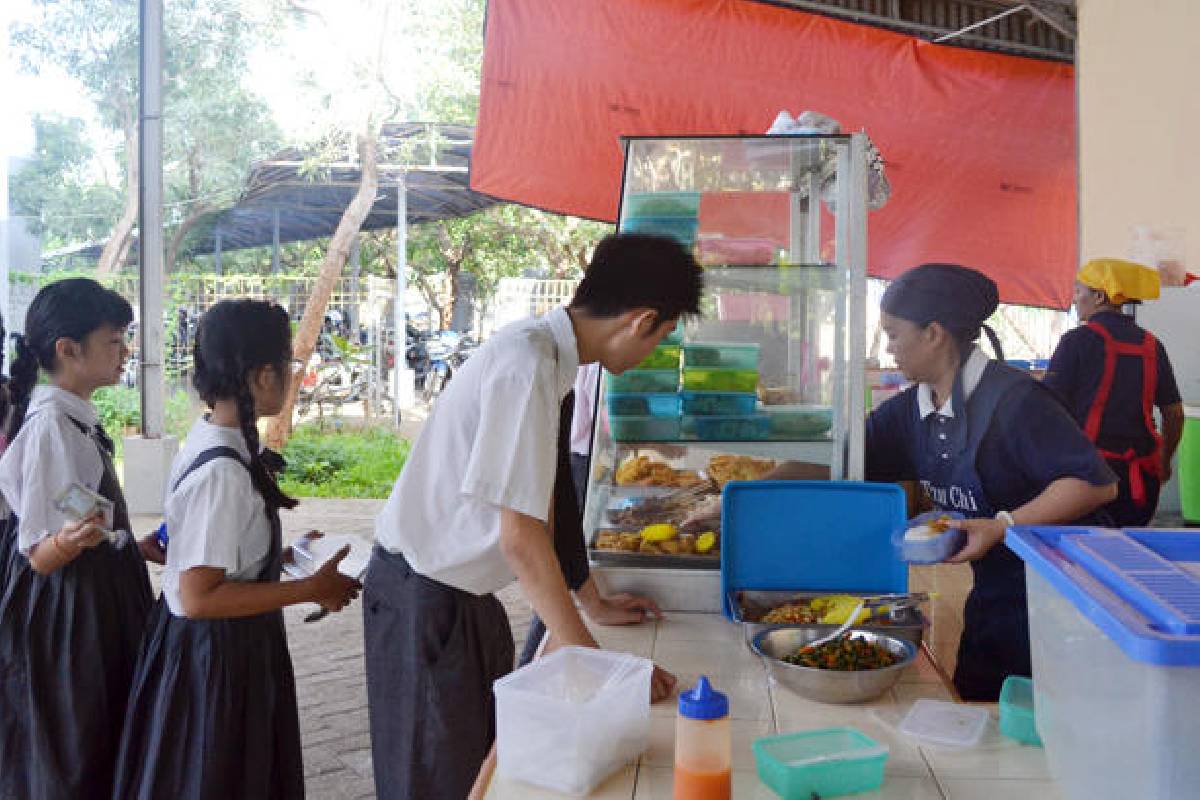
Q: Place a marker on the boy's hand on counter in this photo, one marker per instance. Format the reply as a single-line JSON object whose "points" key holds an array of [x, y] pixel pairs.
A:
{"points": [[621, 609], [662, 684], [151, 549], [982, 536]]}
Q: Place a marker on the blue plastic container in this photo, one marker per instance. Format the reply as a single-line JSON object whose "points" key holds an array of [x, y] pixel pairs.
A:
{"points": [[644, 429], [719, 404], [644, 380], [829, 762], [682, 229], [929, 551], [820, 536], [722, 355], [741, 428], [662, 204], [641, 404]]}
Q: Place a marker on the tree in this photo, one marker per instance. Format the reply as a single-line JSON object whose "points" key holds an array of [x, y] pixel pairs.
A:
{"points": [[61, 188], [422, 63], [213, 127]]}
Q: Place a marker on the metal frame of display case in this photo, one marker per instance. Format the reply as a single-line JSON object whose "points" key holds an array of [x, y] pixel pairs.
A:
{"points": [[684, 583]]}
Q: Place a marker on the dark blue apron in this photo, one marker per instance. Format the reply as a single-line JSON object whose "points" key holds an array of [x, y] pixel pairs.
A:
{"points": [[995, 638]]}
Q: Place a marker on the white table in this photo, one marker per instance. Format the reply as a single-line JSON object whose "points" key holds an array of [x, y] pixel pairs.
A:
{"points": [[691, 644]]}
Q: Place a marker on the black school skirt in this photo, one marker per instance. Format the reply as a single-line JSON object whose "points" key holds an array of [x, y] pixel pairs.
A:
{"points": [[212, 714]]}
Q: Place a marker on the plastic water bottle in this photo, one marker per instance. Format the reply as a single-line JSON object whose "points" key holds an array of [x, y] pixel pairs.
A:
{"points": [[703, 753]]}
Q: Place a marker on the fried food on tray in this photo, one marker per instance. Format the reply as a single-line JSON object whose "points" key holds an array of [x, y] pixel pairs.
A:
{"points": [[645, 471], [725, 468], [791, 614]]}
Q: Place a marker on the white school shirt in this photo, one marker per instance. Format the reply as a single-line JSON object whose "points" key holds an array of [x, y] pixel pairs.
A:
{"points": [[585, 408], [215, 518], [490, 443], [48, 455]]}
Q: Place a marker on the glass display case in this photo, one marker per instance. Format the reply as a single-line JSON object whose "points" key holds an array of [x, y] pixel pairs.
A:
{"points": [[770, 371]]}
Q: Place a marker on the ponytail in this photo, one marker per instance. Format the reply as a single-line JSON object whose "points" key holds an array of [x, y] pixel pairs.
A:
{"points": [[23, 377], [260, 475]]}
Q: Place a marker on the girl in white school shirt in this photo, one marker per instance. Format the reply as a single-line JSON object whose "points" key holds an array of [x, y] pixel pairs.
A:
{"points": [[212, 712], [75, 600]]}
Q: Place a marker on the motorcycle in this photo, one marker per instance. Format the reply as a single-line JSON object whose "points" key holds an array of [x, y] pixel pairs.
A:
{"points": [[447, 354]]}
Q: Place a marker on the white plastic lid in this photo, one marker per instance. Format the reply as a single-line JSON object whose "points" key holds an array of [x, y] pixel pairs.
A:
{"points": [[950, 724]]}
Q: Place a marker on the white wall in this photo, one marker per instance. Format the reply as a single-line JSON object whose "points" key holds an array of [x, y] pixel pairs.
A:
{"points": [[1138, 75]]}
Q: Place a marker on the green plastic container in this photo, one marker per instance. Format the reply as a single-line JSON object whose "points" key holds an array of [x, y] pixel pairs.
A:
{"points": [[681, 229], [645, 380], [662, 204], [665, 356], [828, 762], [696, 379], [1017, 720], [799, 421], [726, 356], [1189, 466]]}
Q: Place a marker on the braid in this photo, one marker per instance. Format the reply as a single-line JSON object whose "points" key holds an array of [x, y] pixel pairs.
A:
{"points": [[5, 403], [20, 386], [263, 481]]}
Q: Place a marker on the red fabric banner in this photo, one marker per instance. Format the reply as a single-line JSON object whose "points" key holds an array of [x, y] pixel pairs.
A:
{"points": [[980, 147]]}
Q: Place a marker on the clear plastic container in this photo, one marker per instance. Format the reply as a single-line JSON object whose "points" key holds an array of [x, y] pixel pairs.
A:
{"points": [[726, 356], [665, 356], [1017, 718], [799, 421], [681, 229], [662, 204], [717, 404], [826, 763], [569, 720], [746, 428], [636, 404], [645, 380], [644, 429], [697, 379], [703, 745], [947, 724]]}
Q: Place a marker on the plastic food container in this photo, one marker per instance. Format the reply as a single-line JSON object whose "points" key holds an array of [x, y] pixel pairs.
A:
{"points": [[728, 356], [946, 724], [1114, 622], [827, 763], [665, 356], [748, 428], [681, 229], [799, 421], [644, 380], [644, 429], [634, 404], [928, 551], [569, 720], [1017, 719], [662, 204], [698, 379], [719, 404]]}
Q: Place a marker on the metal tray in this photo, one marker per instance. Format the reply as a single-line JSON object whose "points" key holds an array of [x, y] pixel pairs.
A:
{"points": [[748, 605], [624, 558]]}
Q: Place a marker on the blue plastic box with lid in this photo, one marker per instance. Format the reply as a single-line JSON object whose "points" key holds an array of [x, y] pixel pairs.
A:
{"points": [[1114, 619], [810, 536]]}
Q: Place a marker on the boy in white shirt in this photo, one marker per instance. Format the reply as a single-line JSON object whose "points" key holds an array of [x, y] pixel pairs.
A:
{"points": [[470, 513]]}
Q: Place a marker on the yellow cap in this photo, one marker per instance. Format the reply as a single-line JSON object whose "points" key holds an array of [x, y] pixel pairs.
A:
{"points": [[1122, 281]]}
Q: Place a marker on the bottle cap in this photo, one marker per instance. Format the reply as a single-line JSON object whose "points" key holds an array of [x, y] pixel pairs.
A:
{"points": [[703, 702]]}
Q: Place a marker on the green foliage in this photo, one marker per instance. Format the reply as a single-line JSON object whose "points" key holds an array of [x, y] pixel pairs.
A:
{"points": [[120, 412], [343, 463]]}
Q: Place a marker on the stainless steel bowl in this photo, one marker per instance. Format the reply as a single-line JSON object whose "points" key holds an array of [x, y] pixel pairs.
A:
{"points": [[827, 685]]}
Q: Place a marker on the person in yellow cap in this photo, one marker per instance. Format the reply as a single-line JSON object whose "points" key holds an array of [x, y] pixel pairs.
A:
{"points": [[1112, 374]]}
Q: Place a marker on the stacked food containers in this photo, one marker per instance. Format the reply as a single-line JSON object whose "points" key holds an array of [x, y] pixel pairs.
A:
{"points": [[1114, 622]]}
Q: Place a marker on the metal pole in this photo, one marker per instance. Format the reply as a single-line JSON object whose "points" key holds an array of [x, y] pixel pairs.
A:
{"points": [[217, 250], [150, 249], [402, 379], [275, 244]]}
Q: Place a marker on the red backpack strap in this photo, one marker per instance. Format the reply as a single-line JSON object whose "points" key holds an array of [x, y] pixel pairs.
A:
{"points": [[1150, 386]]}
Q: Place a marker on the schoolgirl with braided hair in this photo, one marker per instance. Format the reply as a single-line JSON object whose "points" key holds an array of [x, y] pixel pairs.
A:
{"points": [[76, 597], [212, 712]]}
